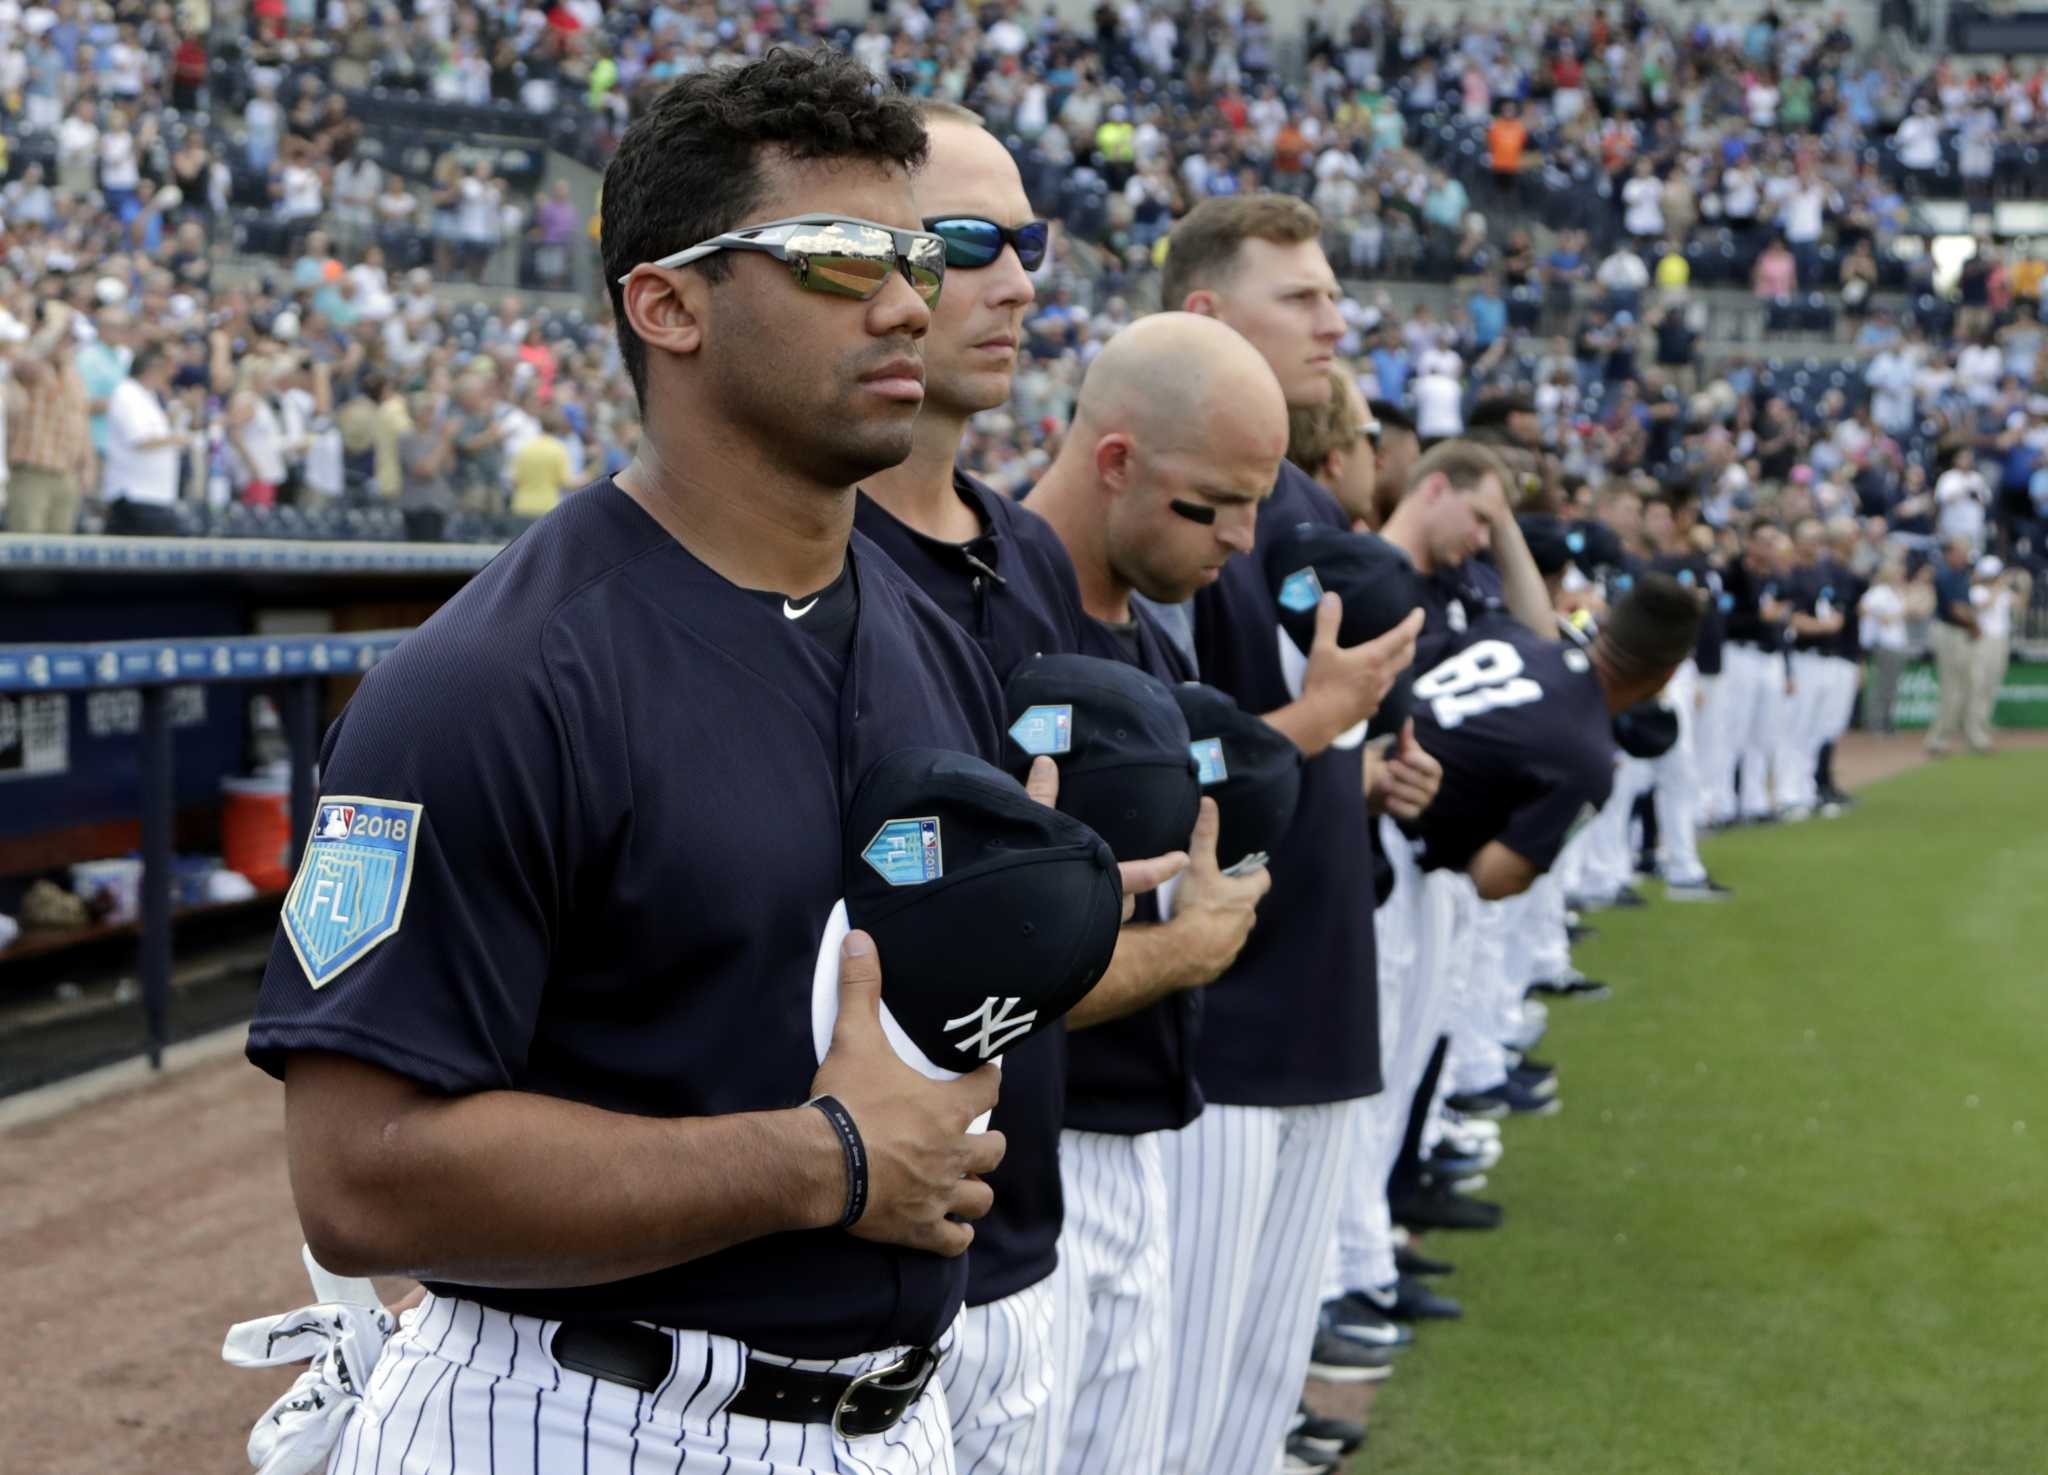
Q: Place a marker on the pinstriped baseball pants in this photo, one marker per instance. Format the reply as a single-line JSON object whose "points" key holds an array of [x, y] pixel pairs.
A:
{"points": [[466, 1390], [1255, 1193], [1000, 1370], [1116, 1235]]}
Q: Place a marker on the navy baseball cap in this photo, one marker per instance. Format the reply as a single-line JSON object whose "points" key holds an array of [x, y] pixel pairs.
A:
{"points": [[1594, 544], [1377, 583], [1247, 766], [1121, 745], [992, 914], [1646, 730]]}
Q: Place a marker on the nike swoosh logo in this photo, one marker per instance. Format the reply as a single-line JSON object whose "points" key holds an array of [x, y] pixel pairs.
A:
{"points": [[791, 612]]}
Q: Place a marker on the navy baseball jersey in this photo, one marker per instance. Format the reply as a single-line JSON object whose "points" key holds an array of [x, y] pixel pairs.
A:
{"points": [[579, 836], [1521, 727], [1746, 594], [1137, 1074], [1454, 600], [1012, 589], [1849, 589], [1295, 1021], [1813, 591]]}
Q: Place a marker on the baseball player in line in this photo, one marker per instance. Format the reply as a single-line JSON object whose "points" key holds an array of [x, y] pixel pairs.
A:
{"points": [[1290, 1035], [1002, 574], [545, 1017], [1176, 439]]}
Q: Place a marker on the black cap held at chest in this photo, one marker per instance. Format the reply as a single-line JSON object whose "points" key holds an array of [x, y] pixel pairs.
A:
{"points": [[1248, 767], [1377, 583], [992, 914], [1646, 730], [1121, 745]]}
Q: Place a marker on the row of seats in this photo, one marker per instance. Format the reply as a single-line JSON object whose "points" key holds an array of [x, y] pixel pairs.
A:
{"points": [[376, 522]]}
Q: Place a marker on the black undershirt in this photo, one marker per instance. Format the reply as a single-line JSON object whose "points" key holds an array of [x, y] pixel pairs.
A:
{"points": [[829, 616]]}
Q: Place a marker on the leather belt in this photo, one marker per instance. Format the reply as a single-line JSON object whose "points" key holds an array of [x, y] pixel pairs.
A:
{"points": [[854, 1404]]}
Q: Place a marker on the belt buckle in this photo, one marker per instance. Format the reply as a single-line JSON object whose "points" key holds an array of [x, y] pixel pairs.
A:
{"points": [[902, 1380]]}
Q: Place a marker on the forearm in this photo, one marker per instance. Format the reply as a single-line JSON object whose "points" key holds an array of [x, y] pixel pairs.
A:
{"points": [[1522, 586], [1152, 960], [1307, 724], [512, 1189]]}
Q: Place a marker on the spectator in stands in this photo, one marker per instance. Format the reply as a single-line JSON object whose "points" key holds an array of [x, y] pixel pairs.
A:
{"points": [[480, 434], [146, 437], [541, 467], [557, 227], [1962, 498], [426, 452], [255, 439], [1775, 276], [49, 435], [1954, 639]]}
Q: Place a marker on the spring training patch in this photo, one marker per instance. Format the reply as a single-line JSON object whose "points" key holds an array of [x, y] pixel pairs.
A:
{"points": [[906, 852], [1300, 590], [1209, 765], [1045, 730], [350, 892]]}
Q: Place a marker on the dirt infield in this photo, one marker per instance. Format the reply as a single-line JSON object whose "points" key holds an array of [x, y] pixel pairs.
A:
{"points": [[135, 1230]]}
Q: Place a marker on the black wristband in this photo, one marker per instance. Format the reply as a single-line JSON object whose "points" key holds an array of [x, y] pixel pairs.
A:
{"points": [[856, 1158]]}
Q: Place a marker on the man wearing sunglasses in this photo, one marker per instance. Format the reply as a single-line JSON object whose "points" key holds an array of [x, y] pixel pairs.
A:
{"points": [[1001, 572], [543, 999]]}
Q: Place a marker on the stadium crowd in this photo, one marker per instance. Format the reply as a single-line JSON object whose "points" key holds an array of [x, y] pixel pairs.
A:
{"points": [[232, 303]]}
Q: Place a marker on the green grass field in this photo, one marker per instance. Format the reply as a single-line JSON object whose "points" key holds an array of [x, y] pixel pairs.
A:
{"points": [[1794, 1215]]}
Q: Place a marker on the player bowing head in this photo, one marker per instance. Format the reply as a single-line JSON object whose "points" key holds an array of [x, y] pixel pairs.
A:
{"points": [[1447, 516], [1645, 638], [1256, 262], [1336, 443], [1177, 436], [773, 211]]}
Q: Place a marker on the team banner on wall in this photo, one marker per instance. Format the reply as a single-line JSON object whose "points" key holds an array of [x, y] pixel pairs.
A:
{"points": [[2022, 696]]}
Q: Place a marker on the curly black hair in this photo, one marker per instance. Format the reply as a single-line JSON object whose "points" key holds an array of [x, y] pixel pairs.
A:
{"points": [[689, 168]]}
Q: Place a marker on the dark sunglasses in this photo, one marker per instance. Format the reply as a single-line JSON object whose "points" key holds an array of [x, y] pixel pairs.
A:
{"points": [[837, 254], [972, 241]]}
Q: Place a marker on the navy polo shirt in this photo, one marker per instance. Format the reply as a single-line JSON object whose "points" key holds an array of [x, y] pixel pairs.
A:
{"points": [[629, 777], [1012, 589], [1522, 730], [1136, 1074], [1295, 1021], [1951, 587]]}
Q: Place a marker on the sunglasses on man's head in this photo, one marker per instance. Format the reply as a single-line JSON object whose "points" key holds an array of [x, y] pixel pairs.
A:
{"points": [[838, 254], [972, 241]]}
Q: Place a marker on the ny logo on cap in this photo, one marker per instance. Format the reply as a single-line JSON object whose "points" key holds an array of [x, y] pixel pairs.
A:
{"points": [[999, 1027]]}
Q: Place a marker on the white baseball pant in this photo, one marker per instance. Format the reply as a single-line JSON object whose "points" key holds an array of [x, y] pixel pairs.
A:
{"points": [[1118, 1375], [1478, 1057], [1000, 1371], [1414, 934], [466, 1390], [1254, 1206], [1677, 787], [1715, 765], [1758, 718]]}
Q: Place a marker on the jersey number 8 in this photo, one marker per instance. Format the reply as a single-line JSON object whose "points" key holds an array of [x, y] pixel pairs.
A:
{"points": [[1477, 679]]}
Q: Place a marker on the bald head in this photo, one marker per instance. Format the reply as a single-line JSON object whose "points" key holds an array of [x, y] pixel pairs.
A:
{"points": [[1180, 380], [1177, 438]]}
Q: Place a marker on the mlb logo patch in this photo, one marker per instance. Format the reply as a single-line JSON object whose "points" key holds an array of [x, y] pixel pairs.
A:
{"points": [[350, 892]]}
